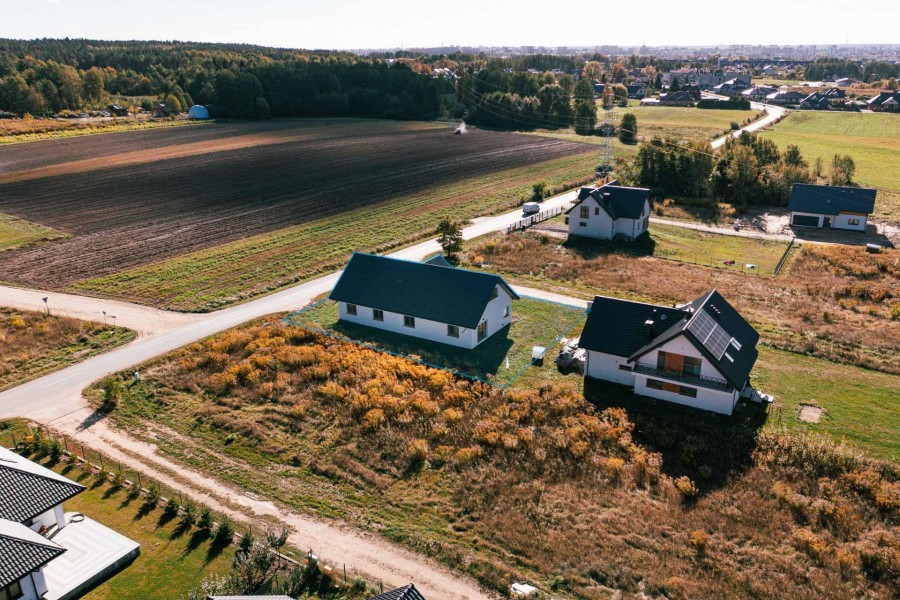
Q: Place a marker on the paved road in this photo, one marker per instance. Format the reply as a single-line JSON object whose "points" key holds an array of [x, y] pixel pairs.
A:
{"points": [[773, 114]]}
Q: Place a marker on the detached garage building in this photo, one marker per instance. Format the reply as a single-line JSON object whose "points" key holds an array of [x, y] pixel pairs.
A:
{"points": [[831, 207]]}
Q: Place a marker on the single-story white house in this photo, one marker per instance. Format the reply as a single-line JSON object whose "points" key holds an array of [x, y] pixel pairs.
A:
{"points": [[36, 536], [831, 207], [610, 211], [699, 354], [442, 304]]}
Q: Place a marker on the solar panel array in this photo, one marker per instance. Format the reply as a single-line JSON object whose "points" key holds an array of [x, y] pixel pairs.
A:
{"points": [[710, 334]]}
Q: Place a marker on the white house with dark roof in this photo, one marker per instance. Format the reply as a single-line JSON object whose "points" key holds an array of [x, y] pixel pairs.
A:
{"points": [[699, 354], [830, 206], [610, 211], [45, 552], [452, 306]]}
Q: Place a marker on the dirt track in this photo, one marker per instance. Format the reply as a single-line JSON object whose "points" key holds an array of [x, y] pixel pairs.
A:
{"points": [[149, 201]]}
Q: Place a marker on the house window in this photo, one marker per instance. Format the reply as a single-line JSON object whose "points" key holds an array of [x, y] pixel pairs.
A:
{"points": [[654, 384], [494, 293], [452, 331], [506, 310], [687, 391], [661, 361], [377, 315], [482, 330], [582, 224], [596, 210], [692, 365], [12, 592], [585, 212], [409, 321], [625, 367], [852, 221], [351, 309]]}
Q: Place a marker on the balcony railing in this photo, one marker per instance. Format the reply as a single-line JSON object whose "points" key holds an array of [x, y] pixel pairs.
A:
{"points": [[699, 380]]}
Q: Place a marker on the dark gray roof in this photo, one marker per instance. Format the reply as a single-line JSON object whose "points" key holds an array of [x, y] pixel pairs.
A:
{"points": [[452, 296], [407, 592], [616, 326], [618, 201], [879, 99], [719, 332], [27, 489], [437, 260], [22, 551], [831, 199], [678, 96]]}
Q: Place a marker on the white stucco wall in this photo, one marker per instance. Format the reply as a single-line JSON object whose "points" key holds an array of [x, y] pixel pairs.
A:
{"points": [[601, 365], [601, 226], [433, 330], [842, 222], [680, 345], [707, 399]]}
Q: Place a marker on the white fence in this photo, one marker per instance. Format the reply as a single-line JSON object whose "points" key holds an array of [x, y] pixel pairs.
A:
{"points": [[534, 219]]}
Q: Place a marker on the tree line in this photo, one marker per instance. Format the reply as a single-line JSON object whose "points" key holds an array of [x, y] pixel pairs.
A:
{"points": [[748, 170]]}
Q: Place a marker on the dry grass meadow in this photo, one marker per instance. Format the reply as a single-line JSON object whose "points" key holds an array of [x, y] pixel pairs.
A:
{"points": [[581, 499]]}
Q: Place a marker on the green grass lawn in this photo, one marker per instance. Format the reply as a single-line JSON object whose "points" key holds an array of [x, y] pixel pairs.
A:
{"points": [[16, 233], [872, 139], [498, 359], [216, 277], [714, 249], [172, 561], [859, 405]]}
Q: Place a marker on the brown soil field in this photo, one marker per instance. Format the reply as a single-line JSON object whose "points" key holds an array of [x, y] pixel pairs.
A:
{"points": [[130, 199]]}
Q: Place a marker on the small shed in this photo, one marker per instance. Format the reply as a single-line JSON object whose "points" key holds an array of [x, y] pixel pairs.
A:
{"points": [[198, 112]]}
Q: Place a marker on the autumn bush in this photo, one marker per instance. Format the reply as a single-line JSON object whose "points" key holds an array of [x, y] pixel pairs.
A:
{"points": [[534, 484], [825, 304]]}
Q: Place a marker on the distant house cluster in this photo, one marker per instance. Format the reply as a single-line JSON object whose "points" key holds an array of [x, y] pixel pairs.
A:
{"points": [[885, 102], [707, 79]]}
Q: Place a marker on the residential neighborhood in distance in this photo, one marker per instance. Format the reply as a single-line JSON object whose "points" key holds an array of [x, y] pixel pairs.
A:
{"points": [[346, 301]]}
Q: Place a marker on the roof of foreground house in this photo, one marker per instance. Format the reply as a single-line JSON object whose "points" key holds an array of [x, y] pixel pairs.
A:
{"points": [[23, 551], [451, 296], [437, 260], [407, 592], [831, 199], [618, 201], [710, 323], [27, 489]]}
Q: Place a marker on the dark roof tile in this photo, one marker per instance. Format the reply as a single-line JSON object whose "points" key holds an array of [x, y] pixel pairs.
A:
{"points": [[407, 592], [831, 199], [27, 489], [22, 551]]}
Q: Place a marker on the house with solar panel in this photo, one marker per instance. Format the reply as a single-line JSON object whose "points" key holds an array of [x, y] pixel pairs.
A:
{"points": [[610, 212], [831, 206], [699, 354], [443, 304], [406, 592], [45, 552]]}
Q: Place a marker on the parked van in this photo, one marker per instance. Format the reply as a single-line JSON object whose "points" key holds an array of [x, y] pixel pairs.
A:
{"points": [[530, 208]]}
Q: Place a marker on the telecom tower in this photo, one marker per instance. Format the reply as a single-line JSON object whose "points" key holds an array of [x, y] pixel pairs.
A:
{"points": [[606, 165]]}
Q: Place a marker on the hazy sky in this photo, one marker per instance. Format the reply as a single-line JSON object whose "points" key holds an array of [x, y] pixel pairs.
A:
{"points": [[392, 23]]}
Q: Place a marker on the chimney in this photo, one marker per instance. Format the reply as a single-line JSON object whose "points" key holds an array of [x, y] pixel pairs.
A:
{"points": [[648, 324]]}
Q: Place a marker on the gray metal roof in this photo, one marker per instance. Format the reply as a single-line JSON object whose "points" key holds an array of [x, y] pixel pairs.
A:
{"points": [[831, 199], [451, 296], [616, 326], [618, 201], [27, 489], [22, 551], [407, 592]]}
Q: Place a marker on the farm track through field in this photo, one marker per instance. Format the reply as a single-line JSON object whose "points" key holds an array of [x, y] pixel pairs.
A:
{"points": [[143, 209]]}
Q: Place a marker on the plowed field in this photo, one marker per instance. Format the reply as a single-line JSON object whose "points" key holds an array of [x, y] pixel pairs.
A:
{"points": [[131, 199]]}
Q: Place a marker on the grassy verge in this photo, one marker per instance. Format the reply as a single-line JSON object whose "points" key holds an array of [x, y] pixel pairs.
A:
{"points": [[18, 233], [35, 344], [223, 275], [499, 359], [871, 139], [700, 247], [17, 132]]}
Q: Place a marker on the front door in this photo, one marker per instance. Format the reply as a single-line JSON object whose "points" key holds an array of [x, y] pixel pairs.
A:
{"points": [[674, 362], [827, 223]]}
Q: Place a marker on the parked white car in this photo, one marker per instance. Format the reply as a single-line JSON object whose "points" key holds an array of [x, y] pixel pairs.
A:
{"points": [[530, 208]]}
